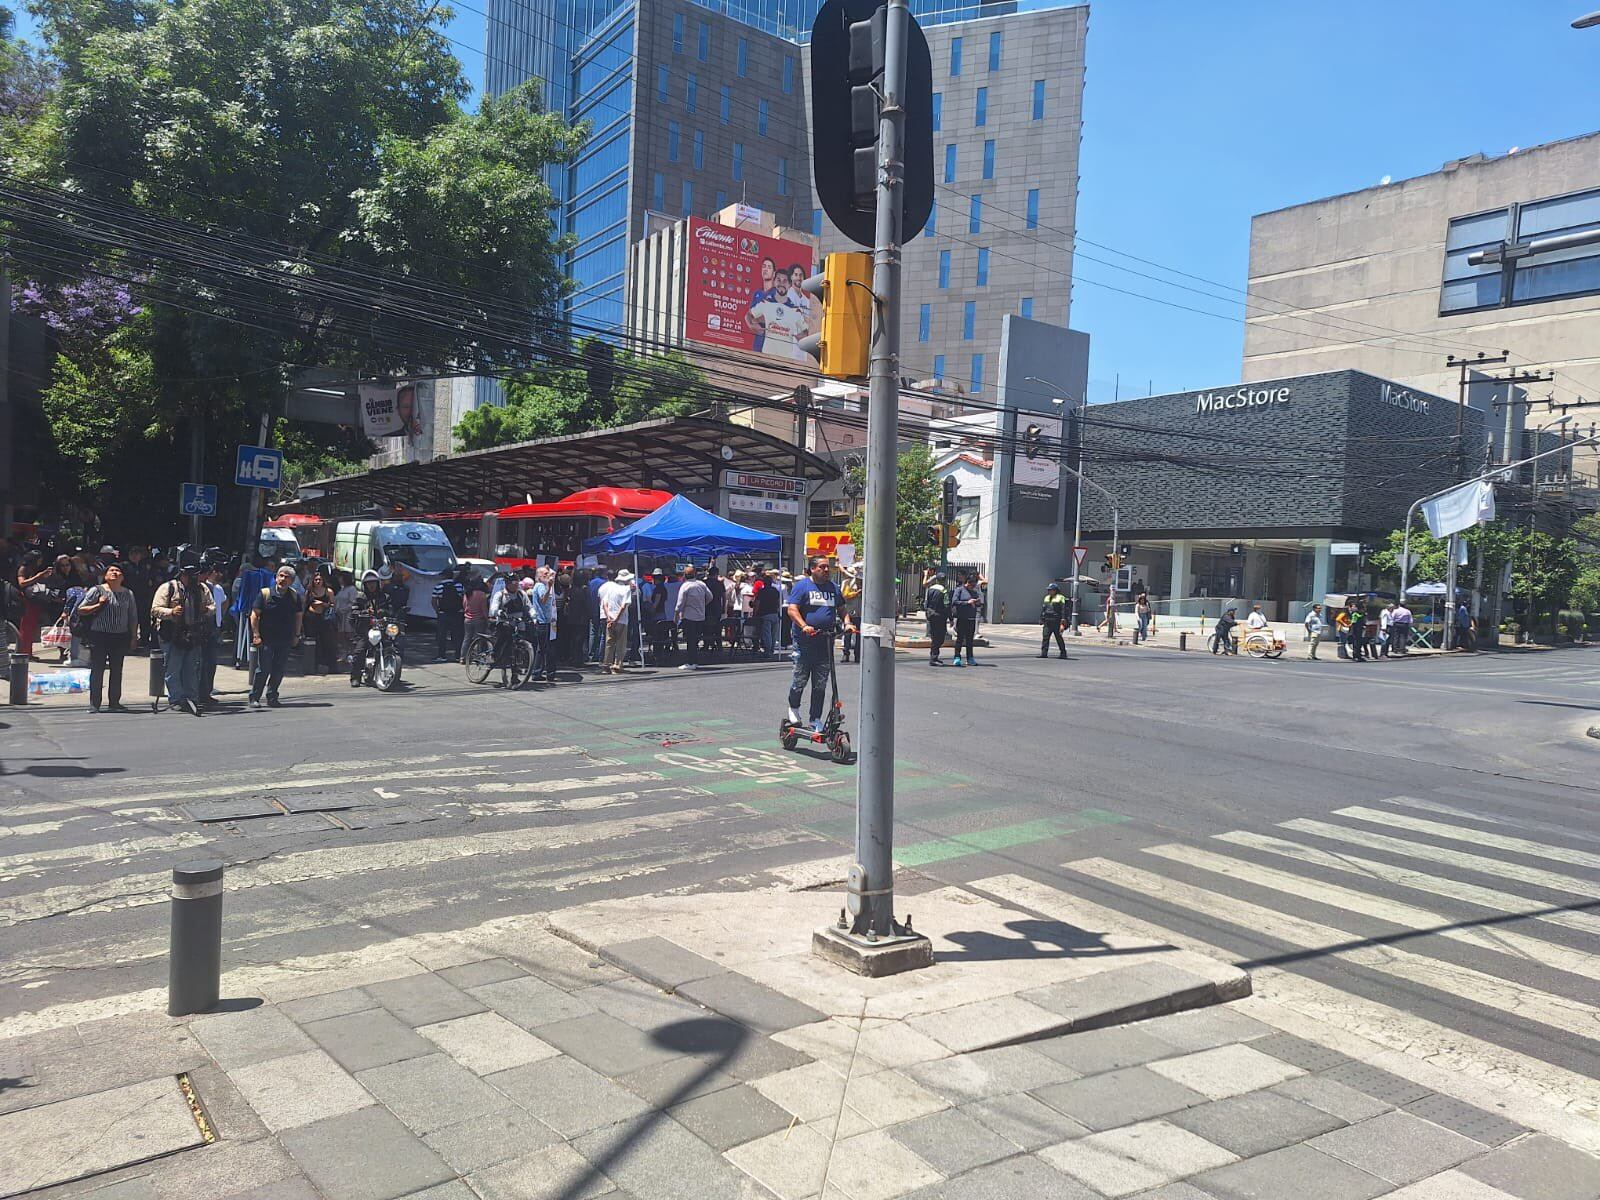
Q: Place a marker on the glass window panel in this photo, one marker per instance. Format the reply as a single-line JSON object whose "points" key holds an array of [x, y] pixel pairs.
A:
{"points": [[955, 56], [977, 373], [761, 117], [688, 197], [816, 222], [988, 159], [658, 191], [743, 56], [704, 48], [1564, 277], [788, 74], [1470, 293], [1457, 267], [969, 319], [722, 199], [950, 162], [1038, 99], [699, 149], [983, 267], [924, 322], [1475, 231], [980, 107], [938, 366], [1564, 212], [938, 110], [1033, 208], [738, 161], [975, 215], [1027, 308], [944, 268], [932, 227], [783, 177], [677, 33], [600, 162], [663, 84], [994, 51]]}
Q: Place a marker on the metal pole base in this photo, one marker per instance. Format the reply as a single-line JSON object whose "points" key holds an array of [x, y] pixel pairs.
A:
{"points": [[19, 679], [194, 967], [874, 958]]}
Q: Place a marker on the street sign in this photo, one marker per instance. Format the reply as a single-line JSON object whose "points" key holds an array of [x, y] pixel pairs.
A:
{"points": [[1079, 553], [198, 500], [763, 504], [786, 485], [258, 467]]}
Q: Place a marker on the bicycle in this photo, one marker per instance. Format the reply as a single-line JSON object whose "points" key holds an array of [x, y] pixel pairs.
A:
{"points": [[1263, 643], [480, 662]]}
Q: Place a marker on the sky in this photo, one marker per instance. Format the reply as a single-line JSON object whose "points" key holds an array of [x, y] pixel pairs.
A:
{"points": [[1200, 113]]}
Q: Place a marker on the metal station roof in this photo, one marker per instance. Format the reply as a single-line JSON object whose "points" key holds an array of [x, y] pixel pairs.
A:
{"points": [[678, 454]]}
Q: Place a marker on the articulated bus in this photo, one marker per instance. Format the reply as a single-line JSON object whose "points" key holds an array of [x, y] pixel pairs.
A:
{"points": [[519, 535]]}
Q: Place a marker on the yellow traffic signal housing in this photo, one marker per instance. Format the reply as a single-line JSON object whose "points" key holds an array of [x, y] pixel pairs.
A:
{"points": [[842, 343], [952, 536], [936, 535]]}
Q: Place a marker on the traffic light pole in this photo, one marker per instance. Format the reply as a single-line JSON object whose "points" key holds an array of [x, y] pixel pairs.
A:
{"points": [[875, 774]]}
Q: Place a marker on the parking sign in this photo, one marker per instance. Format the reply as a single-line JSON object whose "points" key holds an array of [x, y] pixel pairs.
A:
{"points": [[198, 500], [258, 466]]}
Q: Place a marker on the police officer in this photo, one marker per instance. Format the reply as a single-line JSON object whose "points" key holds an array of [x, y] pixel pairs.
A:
{"points": [[1052, 615]]}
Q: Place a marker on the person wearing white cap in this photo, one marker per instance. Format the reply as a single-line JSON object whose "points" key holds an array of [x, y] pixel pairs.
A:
{"points": [[615, 597]]}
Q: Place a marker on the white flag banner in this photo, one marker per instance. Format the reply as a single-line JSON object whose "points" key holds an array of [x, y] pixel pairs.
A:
{"points": [[1460, 508], [380, 414]]}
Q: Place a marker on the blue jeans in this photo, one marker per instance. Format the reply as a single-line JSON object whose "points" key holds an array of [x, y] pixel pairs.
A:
{"points": [[182, 673], [597, 640], [812, 662], [768, 632], [272, 660]]}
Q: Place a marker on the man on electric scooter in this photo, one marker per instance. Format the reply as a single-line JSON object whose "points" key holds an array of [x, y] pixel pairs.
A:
{"points": [[814, 605]]}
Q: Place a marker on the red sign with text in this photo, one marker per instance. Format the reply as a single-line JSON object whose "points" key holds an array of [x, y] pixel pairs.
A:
{"points": [[742, 291]]}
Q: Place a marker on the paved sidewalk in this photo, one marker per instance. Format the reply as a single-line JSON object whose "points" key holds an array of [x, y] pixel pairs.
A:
{"points": [[503, 1062]]}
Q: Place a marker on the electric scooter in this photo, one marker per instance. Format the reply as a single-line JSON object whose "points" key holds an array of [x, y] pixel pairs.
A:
{"points": [[832, 734]]}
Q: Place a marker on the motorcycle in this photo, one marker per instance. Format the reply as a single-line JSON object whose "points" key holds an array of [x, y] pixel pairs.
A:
{"points": [[383, 663]]}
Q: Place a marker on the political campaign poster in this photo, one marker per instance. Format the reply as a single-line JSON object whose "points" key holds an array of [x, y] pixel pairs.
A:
{"points": [[743, 292]]}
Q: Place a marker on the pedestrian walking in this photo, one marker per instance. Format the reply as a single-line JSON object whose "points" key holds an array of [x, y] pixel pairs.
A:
{"points": [[546, 623], [321, 625], [1144, 617], [252, 578], [184, 613], [1341, 626], [616, 597], [850, 618], [1052, 615], [965, 603], [275, 623], [694, 603], [449, 614], [1108, 618], [936, 607], [1222, 635], [1315, 626], [109, 620], [1464, 638], [1385, 629], [597, 624], [1400, 623]]}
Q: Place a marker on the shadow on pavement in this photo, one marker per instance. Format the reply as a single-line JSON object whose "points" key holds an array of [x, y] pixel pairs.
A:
{"points": [[1034, 939]]}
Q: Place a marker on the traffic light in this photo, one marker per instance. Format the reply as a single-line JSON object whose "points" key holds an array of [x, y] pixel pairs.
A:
{"points": [[848, 45], [952, 536], [936, 536], [1032, 440], [1113, 561], [949, 504], [843, 341]]}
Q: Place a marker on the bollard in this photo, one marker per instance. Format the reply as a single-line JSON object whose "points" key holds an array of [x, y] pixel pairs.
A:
{"points": [[194, 969], [1183, 640], [19, 678], [158, 673]]}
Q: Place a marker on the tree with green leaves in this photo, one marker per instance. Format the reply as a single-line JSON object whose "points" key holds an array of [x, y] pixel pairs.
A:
{"points": [[1544, 568], [330, 136], [916, 507]]}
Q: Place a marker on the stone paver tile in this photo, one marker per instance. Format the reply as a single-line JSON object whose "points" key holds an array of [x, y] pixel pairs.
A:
{"points": [[873, 1166], [86, 1135], [640, 1004], [1175, 1191], [1293, 1173], [300, 1089], [952, 1141], [754, 1004], [1206, 1028], [897, 1044], [1468, 1120], [1307, 1055], [730, 1117], [423, 999], [1113, 993], [1539, 1168], [759, 1056], [987, 1073], [492, 1138], [888, 1097], [1449, 1185], [1226, 1071], [284, 1189], [663, 963], [1019, 1178], [454, 1190], [811, 1092], [1256, 1122], [329, 1004], [363, 1040], [568, 1096], [986, 1022], [1136, 1158], [484, 971], [237, 1039], [1333, 1097], [610, 1046], [1024, 1121], [530, 1002], [1098, 1050], [142, 1187], [1119, 1097], [656, 1156], [664, 1084], [430, 1093], [1376, 1082], [365, 1155], [556, 1172], [790, 1163], [486, 1042], [825, 1039], [1398, 1147]]}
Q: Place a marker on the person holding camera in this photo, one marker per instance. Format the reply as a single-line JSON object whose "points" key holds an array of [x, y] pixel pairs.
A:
{"points": [[108, 618], [185, 614]]}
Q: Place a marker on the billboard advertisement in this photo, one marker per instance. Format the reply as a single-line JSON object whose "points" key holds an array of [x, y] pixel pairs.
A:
{"points": [[742, 292]]}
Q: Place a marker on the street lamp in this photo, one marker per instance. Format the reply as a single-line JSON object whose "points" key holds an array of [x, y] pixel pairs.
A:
{"points": [[1588, 20]]}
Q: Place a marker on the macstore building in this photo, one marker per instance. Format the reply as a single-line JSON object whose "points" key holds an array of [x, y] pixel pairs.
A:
{"points": [[1265, 492]]}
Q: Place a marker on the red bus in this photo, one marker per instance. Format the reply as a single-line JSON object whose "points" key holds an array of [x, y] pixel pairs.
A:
{"points": [[517, 536]]}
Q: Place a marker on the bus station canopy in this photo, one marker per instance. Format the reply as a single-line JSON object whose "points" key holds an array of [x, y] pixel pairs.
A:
{"points": [[675, 454], [681, 527]]}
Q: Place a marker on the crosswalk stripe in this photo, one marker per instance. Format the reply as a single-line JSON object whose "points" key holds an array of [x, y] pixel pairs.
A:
{"points": [[1422, 881], [1477, 837], [549, 786], [499, 808], [1489, 991], [18, 864], [1526, 824], [1500, 941], [1537, 876]]}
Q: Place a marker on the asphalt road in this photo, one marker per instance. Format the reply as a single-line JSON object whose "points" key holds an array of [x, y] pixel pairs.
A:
{"points": [[1411, 849]]}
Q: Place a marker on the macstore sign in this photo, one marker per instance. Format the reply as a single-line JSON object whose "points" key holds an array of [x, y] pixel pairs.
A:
{"points": [[1245, 397]]}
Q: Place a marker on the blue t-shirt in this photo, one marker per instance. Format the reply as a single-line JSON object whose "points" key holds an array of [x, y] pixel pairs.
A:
{"points": [[818, 604]]}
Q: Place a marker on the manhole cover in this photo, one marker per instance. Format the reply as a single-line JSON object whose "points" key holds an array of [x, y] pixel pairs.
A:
{"points": [[312, 804], [238, 808], [282, 825], [397, 814], [669, 737]]}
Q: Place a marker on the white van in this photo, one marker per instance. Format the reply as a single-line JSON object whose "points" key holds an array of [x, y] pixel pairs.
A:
{"points": [[418, 546], [278, 543]]}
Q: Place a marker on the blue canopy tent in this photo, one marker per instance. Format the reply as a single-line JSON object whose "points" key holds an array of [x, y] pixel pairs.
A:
{"points": [[684, 529]]}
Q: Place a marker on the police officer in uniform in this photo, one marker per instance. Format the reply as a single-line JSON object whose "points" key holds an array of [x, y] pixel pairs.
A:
{"points": [[1052, 615]]}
